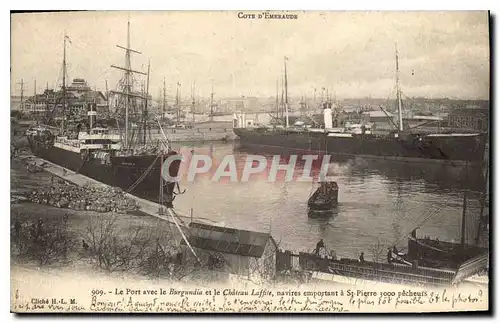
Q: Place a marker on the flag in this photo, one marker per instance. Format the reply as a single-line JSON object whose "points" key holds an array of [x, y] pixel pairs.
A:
{"points": [[67, 37], [178, 84]]}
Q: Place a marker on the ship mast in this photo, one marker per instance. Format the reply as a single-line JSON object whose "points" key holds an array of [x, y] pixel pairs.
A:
{"points": [[107, 98], [398, 92], [484, 193], [164, 100], [64, 87], [47, 97], [212, 104], [22, 94], [277, 101], [145, 120], [128, 82], [193, 102], [34, 91], [282, 101], [127, 87], [464, 209], [286, 95], [177, 103]]}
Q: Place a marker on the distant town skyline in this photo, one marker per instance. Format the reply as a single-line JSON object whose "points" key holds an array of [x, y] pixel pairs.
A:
{"points": [[352, 54]]}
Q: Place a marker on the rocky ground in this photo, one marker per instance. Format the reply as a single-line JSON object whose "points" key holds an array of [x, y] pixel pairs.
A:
{"points": [[71, 225]]}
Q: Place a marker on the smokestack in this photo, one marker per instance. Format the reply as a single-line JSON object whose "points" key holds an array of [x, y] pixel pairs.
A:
{"points": [[92, 113], [327, 114]]}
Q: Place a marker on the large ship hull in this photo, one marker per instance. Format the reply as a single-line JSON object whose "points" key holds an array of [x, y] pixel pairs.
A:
{"points": [[139, 175], [204, 131], [455, 150]]}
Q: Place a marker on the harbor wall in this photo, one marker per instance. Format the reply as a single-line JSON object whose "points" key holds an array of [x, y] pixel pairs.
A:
{"points": [[204, 131]]}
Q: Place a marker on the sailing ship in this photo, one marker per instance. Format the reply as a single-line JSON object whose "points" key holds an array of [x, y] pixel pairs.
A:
{"points": [[446, 148], [103, 155], [183, 129], [436, 253]]}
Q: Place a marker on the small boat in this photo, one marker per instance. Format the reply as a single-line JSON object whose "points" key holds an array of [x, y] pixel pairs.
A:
{"points": [[324, 201]]}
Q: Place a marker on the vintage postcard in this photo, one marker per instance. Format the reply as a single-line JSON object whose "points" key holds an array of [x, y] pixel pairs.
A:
{"points": [[250, 161]]}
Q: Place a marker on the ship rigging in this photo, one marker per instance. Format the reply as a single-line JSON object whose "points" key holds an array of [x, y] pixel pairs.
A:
{"points": [[104, 155]]}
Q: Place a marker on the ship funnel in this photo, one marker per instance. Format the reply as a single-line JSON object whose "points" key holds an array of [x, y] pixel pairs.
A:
{"points": [[235, 121], [327, 114], [92, 113], [239, 120]]}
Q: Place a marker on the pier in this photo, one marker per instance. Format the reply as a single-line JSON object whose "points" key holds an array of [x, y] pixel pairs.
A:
{"points": [[343, 270], [145, 207], [353, 269]]}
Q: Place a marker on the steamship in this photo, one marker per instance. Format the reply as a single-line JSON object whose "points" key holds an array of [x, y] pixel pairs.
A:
{"points": [[445, 148], [103, 155]]}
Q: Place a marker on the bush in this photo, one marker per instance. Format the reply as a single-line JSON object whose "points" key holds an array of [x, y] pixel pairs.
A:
{"points": [[140, 248], [44, 243]]}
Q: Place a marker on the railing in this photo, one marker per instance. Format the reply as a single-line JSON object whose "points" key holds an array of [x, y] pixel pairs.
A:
{"points": [[67, 142], [98, 136], [471, 267], [101, 146], [285, 260]]}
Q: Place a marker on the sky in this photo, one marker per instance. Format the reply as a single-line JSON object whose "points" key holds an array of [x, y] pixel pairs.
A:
{"points": [[441, 54]]}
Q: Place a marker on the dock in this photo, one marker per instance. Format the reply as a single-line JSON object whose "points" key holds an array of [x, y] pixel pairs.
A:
{"points": [[343, 270], [348, 270], [146, 207]]}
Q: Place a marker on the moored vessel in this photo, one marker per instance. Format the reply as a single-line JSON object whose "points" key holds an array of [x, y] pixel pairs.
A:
{"points": [[363, 141], [106, 156]]}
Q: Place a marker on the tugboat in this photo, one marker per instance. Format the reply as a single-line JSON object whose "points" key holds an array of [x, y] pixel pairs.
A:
{"points": [[324, 201]]}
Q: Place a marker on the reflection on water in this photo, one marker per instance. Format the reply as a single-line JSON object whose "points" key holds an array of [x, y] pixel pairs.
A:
{"points": [[378, 202]]}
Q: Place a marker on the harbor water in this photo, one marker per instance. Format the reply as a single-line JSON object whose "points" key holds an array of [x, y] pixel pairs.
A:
{"points": [[380, 202]]}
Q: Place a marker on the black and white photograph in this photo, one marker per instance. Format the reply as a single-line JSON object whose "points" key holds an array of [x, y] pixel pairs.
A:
{"points": [[250, 161]]}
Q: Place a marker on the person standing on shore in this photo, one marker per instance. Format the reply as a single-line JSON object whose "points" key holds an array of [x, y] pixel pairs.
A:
{"points": [[319, 246]]}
